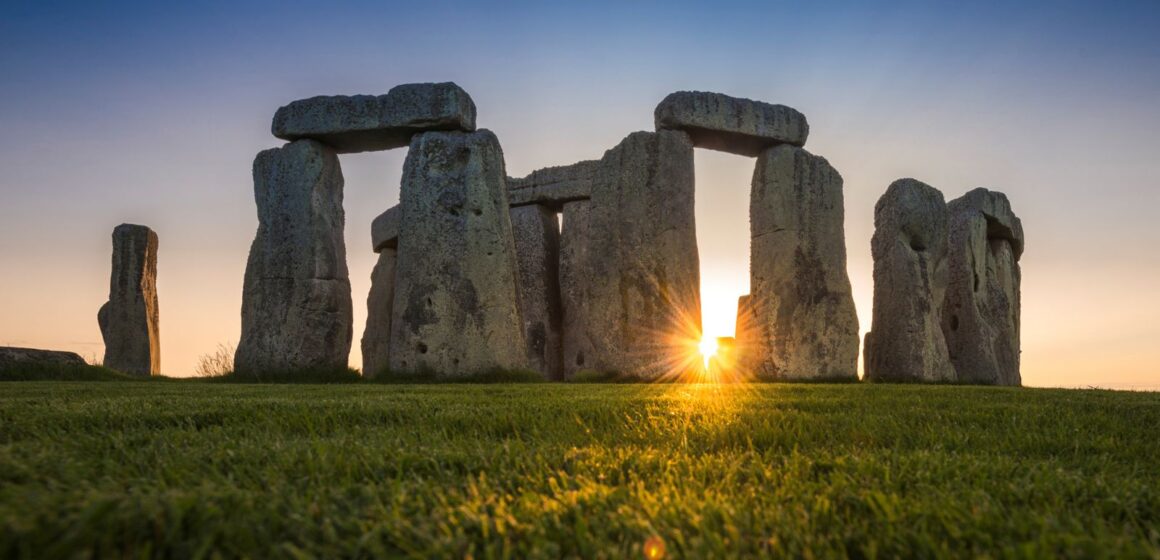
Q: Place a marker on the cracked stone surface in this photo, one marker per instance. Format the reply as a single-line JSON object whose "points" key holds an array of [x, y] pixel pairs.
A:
{"points": [[456, 310], [296, 303], [359, 123], [802, 301], [130, 320], [909, 246], [731, 124], [376, 340], [980, 318], [537, 235]]}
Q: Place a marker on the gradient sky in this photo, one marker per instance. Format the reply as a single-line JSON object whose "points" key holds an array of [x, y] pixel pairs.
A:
{"points": [[152, 113]]}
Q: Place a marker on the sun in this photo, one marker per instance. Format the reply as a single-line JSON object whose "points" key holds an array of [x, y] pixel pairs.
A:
{"points": [[708, 348]]}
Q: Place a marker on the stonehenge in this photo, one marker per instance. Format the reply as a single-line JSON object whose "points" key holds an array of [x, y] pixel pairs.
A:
{"points": [[909, 246], [595, 266], [456, 308], [980, 317], [296, 305], [130, 320], [13, 358], [804, 306]]}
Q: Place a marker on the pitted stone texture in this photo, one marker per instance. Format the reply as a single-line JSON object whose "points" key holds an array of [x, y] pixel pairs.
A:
{"points": [[359, 123], [805, 307], [12, 357], [629, 270], [385, 229], [130, 320], [554, 186], [905, 342], [296, 306], [376, 340], [455, 311], [537, 236], [980, 317], [731, 124]]}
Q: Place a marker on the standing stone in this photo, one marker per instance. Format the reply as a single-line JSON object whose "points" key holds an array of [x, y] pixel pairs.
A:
{"points": [[731, 124], [358, 123], [537, 236], [747, 338], [376, 340], [130, 320], [296, 306], [980, 318], [455, 311], [905, 342], [808, 328], [629, 270]]}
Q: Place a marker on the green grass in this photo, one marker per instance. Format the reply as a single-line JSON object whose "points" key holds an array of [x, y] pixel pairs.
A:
{"points": [[576, 470], [61, 372]]}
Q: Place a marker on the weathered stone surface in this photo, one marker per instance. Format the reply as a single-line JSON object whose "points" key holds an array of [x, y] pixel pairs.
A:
{"points": [[629, 270], [808, 328], [376, 340], [130, 320], [747, 339], [455, 310], [12, 357], [296, 306], [730, 124], [537, 236], [385, 229], [358, 123], [980, 317], [554, 186], [905, 342]]}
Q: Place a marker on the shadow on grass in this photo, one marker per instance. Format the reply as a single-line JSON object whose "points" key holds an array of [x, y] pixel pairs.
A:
{"points": [[64, 372]]}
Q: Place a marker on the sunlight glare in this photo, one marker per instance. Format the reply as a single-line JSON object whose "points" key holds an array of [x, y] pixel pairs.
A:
{"points": [[708, 347]]}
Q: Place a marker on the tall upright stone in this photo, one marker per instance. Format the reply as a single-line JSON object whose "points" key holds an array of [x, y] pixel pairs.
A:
{"points": [[455, 309], [296, 304], [980, 318], [747, 346], [629, 270], [376, 340], [537, 237], [909, 246], [130, 320], [804, 307]]}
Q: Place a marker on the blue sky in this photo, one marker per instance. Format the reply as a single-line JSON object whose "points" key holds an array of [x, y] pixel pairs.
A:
{"points": [[151, 113]]}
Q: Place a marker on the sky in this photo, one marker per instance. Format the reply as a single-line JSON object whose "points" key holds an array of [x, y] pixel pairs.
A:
{"points": [[151, 113]]}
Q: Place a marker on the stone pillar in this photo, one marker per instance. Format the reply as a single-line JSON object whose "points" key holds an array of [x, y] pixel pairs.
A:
{"points": [[905, 342], [747, 339], [980, 318], [455, 310], [376, 340], [296, 305], [130, 320], [630, 277], [537, 237], [804, 308]]}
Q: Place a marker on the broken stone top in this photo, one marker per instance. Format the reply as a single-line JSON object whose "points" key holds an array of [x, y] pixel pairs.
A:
{"points": [[385, 229], [731, 124], [915, 211], [1002, 223], [360, 123]]}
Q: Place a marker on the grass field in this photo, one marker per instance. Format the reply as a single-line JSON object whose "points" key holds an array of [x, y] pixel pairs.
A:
{"points": [[189, 469]]}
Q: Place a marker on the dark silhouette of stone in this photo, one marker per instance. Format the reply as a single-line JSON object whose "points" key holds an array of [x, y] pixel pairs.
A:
{"points": [[554, 186], [130, 320], [455, 310], [805, 317], [13, 358], [905, 342], [296, 304], [980, 317], [360, 123], [730, 124], [376, 340], [385, 229]]}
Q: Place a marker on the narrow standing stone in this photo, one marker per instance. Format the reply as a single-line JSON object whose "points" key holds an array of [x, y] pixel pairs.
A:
{"points": [[629, 269], [376, 340], [808, 328], [130, 320], [981, 314], [537, 235], [455, 311], [296, 306], [905, 342]]}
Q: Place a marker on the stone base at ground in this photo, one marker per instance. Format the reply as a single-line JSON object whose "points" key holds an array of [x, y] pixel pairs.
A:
{"points": [[12, 357]]}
